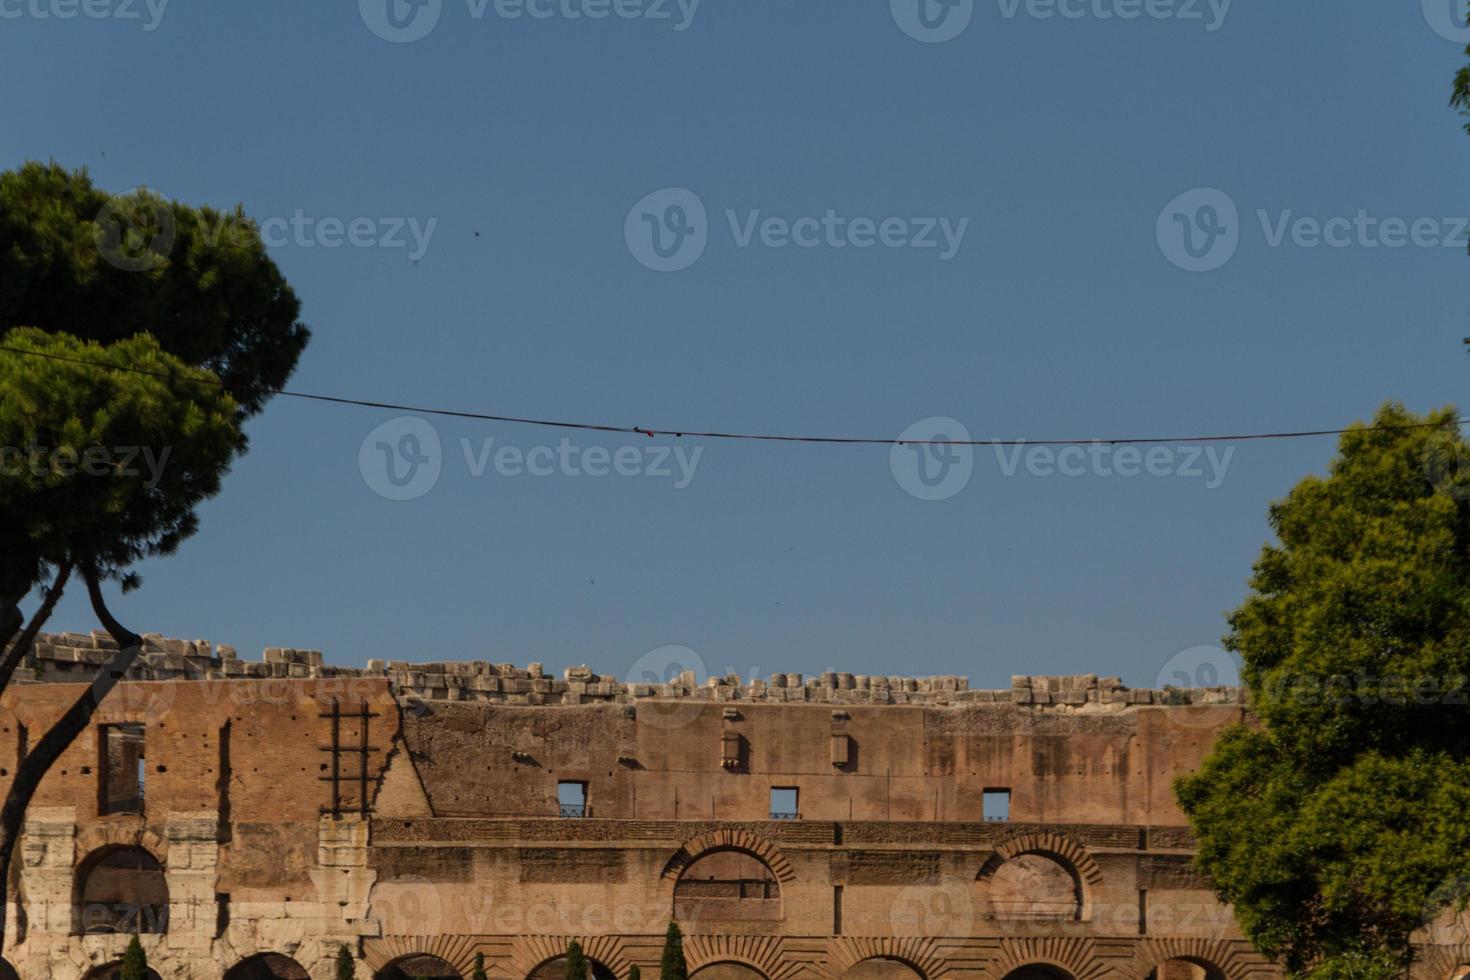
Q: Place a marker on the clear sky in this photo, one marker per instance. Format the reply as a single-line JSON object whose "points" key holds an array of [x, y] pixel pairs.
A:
{"points": [[1063, 307]]}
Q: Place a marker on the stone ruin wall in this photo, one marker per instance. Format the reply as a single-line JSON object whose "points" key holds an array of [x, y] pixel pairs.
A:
{"points": [[71, 656]]}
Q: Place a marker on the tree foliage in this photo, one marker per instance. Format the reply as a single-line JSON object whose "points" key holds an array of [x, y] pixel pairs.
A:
{"points": [[134, 962], [75, 260], [673, 966], [345, 968], [478, 973], [107, 465], [634, 973], [1335, 826], [576, 962]]}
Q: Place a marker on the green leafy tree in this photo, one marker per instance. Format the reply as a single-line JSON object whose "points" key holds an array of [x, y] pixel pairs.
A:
{"points": [[188, 301], [101, 467], [1335, 824], [134, 962], [101, 267], [345, 968], [576, 962], [478, 973], [673, 966]]}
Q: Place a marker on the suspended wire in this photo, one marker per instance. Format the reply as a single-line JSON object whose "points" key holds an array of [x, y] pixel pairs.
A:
{"points": [[695, 434]]}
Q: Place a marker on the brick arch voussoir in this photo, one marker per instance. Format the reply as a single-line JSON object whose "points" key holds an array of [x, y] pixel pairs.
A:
{"points": [[1074, 954], [737, 839], [531, 952], [457, 951], [94, 839], [766, 954], [1048, 843], [1235, 961], [1439, 962], [918, 952]]}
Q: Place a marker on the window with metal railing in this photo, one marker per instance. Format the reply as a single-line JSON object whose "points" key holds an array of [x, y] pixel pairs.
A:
{"points": [[996, 805], [784, 801], [571, 798]]}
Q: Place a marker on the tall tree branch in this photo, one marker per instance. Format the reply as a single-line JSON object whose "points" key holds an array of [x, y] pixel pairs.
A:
{"points": [[12, 657]]}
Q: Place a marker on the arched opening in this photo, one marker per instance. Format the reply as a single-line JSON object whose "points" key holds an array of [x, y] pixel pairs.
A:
{"points": [[419, 966], [727, 971], [121, 890], [1038, 971], [113, 971], [1460, 972], [883, 968], [1181, 968], [557, 970], [267, 966], [7, 972], [727, 885], [1034, 887]]}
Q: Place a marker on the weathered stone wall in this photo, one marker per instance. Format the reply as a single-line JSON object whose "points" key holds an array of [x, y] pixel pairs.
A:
{"points": [[411, 811]]}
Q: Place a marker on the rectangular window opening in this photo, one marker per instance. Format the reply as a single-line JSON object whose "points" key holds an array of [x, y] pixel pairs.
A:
{"points": [[571, 798], [783, 803], [122, 769], [996, 805]]}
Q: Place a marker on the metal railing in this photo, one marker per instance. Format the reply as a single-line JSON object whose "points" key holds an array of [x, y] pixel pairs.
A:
{"points": [[572, 810], [782, 815]]}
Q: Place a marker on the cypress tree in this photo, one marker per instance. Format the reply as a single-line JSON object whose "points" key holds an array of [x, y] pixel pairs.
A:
{"points": [[479, 971], [576, 962], [673, 966], [134, 962], [346, 969]]}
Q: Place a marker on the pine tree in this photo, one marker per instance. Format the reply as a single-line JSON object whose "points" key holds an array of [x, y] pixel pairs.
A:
{"points": [[346, 969], [673, 966], [576, 962], [479, 971], [134, 962]]}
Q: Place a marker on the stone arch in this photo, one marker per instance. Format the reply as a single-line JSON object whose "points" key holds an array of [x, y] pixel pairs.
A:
{"points": [[1049, 958], [383, 954], [267, 966], [424, 965], [532, 953], [737, 840], [1029, 861], [113, 970], [126, 833], [919, 954], [727, 970], [727, 884], [1220, 960], [766, 955], [119, 889], [1440, 962]]}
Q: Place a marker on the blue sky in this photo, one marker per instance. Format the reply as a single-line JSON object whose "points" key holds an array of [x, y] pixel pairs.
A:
{"points": [[521, 148]]}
